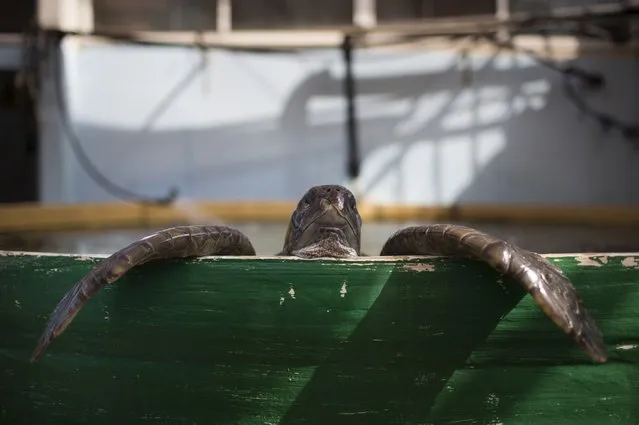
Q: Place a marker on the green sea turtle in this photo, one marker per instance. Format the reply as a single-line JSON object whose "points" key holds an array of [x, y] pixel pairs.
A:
{"points": [[326, 223]]}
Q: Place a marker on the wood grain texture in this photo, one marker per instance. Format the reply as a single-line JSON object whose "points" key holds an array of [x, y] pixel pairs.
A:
{"points": [[282, 341]]}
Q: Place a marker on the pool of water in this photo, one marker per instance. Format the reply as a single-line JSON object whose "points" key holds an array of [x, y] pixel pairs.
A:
{"points": [[268, 238]]}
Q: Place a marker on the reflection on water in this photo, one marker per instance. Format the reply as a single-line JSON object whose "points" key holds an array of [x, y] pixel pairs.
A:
{"points": [[268, 238]]}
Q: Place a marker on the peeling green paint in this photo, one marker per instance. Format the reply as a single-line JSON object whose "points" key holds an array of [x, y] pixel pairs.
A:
{"points": [[259, 341]]}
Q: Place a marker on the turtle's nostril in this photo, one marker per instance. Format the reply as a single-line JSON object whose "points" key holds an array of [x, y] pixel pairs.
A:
{"points": [[334, 195]]}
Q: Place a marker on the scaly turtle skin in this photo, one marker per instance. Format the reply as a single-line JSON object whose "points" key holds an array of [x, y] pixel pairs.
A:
{"points": [[326, 223]]}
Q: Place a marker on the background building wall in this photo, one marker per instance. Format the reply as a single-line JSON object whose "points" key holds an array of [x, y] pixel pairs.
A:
{"points": [[436, 128]]}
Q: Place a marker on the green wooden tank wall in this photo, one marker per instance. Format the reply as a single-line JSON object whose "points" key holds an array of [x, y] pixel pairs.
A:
{"points": [[286, 341]]}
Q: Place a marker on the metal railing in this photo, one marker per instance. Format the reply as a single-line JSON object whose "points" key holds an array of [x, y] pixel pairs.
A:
{"points": [[364, 18]]}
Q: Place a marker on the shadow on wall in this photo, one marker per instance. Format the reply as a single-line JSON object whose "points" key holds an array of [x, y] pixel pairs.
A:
{"points": [[490, 129]]}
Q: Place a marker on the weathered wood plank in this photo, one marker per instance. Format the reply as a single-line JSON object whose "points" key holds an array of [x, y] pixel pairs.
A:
{"points": [[260, 341]]}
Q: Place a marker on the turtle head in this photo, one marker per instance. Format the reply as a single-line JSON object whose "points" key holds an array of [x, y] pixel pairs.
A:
{"points": [[325, 223]]}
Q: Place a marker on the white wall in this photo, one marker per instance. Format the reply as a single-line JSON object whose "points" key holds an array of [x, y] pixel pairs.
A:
{"points": [[265, 126]]}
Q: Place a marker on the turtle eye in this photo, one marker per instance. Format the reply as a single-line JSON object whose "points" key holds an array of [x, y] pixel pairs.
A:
{"points": [[295, 220]]}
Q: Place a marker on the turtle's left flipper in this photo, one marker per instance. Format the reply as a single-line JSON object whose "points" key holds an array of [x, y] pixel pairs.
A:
{"points": [[176, 242], [549, 287]]}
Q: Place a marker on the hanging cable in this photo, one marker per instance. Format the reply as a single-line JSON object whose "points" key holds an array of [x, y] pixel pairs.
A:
{"points": [[585, 25], [30, 58], [573, 75]]}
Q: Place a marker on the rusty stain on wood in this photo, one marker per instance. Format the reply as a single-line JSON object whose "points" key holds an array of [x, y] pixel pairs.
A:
{"points": [[421, 267]]}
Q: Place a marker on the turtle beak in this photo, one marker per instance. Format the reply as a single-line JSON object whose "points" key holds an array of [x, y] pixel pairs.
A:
{"points": [[330, 209], [331, 204], [330, 214]]}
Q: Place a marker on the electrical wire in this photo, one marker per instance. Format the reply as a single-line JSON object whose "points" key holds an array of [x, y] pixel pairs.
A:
{"points": [[30, 76], [572, 75]]}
